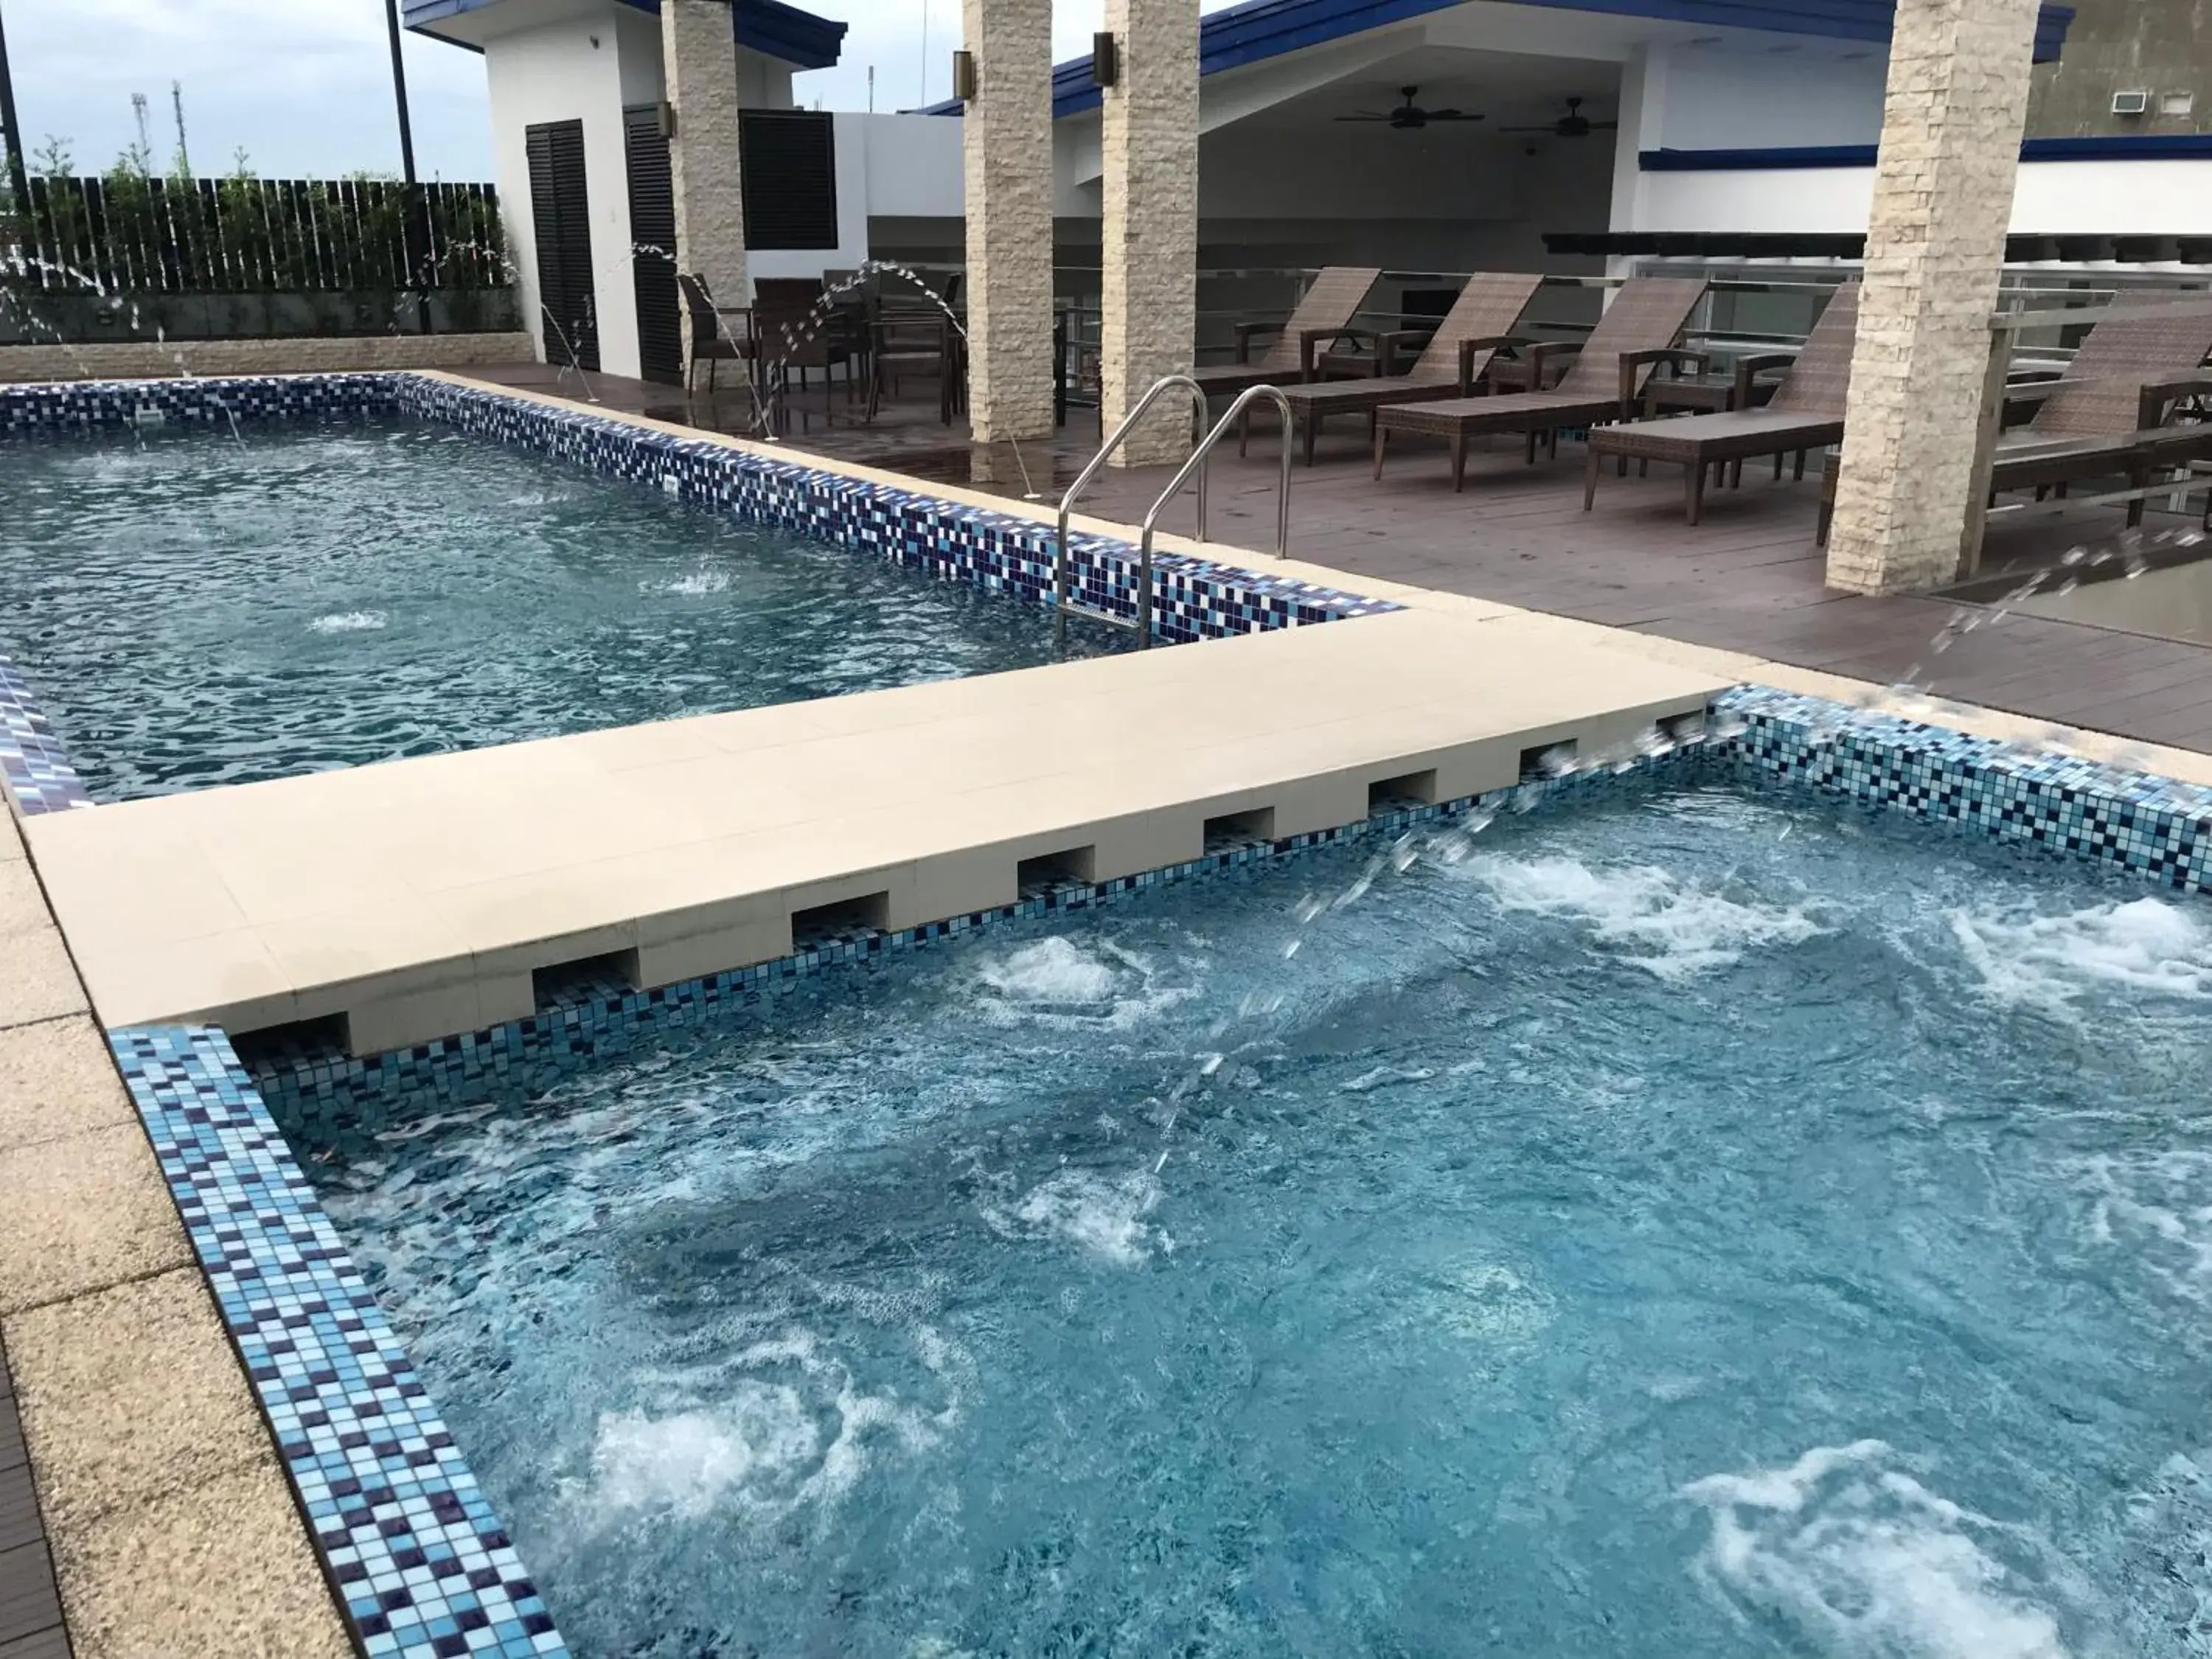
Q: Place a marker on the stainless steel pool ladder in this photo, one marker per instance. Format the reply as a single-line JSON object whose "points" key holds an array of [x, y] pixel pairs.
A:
{"points": [[1201, 449]]}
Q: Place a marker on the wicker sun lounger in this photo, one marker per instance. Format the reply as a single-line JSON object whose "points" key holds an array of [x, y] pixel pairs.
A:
{"points": [[1807, 413], [1480, 320], [2109, 414], [1636, 333], [2121, 385], [1324, 312]]}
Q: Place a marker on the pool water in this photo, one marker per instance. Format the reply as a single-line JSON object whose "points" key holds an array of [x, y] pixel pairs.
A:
{"points": [[201, 611], [1705, 1224]]}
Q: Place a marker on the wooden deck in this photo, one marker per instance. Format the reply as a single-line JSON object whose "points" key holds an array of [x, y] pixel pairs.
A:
{"points": [[30, 1608], [1748, 578]]}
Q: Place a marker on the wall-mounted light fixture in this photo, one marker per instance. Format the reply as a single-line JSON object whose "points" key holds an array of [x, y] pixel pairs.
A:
{"points": [[963, 76], [1105, 60]]}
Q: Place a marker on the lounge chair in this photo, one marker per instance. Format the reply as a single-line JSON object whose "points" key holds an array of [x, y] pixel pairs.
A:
{"points": [[2116, 393], [1325, 312], [1636, 333], [1807, 413], [2108, 414], [1480, 321], [713, 341]]}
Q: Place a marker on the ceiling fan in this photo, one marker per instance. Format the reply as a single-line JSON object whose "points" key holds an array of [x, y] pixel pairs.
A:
{"points": [[1573, 124], [1410, 117]]}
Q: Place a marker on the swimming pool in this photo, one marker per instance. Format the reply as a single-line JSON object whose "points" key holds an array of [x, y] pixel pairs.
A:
{"points": [[1710, 1222], [197, 609]]}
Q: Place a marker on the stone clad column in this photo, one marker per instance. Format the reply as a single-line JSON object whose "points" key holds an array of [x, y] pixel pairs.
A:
{"points": [[1150, 229], [1951, 129], [699, 60], [1006, 145]]}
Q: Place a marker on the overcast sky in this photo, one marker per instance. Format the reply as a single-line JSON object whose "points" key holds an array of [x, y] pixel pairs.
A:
{"points": [[305, 86]]}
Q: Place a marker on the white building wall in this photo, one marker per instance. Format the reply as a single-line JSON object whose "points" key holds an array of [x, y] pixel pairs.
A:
{"points": [[590, 68], [637, 36], [763, 83], [563, 72], [912, 164], [2089, 198], [1725, 97], [1456, 202], [1730, 98]]}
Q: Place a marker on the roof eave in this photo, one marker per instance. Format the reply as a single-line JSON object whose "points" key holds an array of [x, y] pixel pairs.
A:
{"points": [[768, 27], [1261, 29]]}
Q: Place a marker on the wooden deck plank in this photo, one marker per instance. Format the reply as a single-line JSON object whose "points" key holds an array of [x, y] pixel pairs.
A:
{"points": [[30, 1605]]}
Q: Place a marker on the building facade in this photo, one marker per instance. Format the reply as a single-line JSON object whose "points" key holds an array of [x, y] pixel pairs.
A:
{"points": [[2120, 53]]}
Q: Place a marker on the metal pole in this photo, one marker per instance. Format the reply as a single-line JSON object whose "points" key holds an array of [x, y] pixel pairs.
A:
{"points": [[19, 182], [414, 230], [399, 91]]}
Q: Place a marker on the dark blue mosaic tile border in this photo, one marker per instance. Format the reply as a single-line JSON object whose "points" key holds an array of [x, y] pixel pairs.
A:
{"points": [[81, 406], [35, 765], [2152, 826], [422, 1566], [1000, 552]]}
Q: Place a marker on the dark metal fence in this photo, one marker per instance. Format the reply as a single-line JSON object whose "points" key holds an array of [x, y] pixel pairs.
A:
{"points": [[154, 235]]}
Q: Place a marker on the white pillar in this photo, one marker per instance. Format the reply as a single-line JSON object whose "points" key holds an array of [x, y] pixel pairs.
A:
{"points": [[1942, 202], [1149, 227], [1642, 114], [1006, 145], [699, 59]]}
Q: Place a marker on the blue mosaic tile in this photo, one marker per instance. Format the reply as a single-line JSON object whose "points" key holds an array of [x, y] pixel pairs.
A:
{"points": [[1194, 598], [32, 758], [423, 1566], [82, 407], [2134, 821]]}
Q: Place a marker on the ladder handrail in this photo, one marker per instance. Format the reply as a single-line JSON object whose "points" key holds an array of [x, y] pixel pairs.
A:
{"points": [[1196, 464], [1152, 395]]}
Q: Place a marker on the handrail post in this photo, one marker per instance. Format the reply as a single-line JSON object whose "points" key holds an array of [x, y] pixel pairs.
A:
{"points": [[1113, 441], [1197, 463]]}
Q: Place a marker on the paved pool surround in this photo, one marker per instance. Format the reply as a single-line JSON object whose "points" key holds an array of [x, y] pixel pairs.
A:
{"points": [[139, 1431], [167, 1518]]}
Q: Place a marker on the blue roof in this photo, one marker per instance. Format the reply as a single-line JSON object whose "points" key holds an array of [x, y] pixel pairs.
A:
{"points": [[1261, 29], [770, 27]]}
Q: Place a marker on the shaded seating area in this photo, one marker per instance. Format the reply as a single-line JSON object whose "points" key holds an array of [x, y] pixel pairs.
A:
{"points": [[1636, 333], [1481, 320], [1805, 413], [1324, 312]]}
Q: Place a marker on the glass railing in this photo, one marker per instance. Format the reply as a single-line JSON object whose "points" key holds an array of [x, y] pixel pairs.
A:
{"points": [[1745, 309]]}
